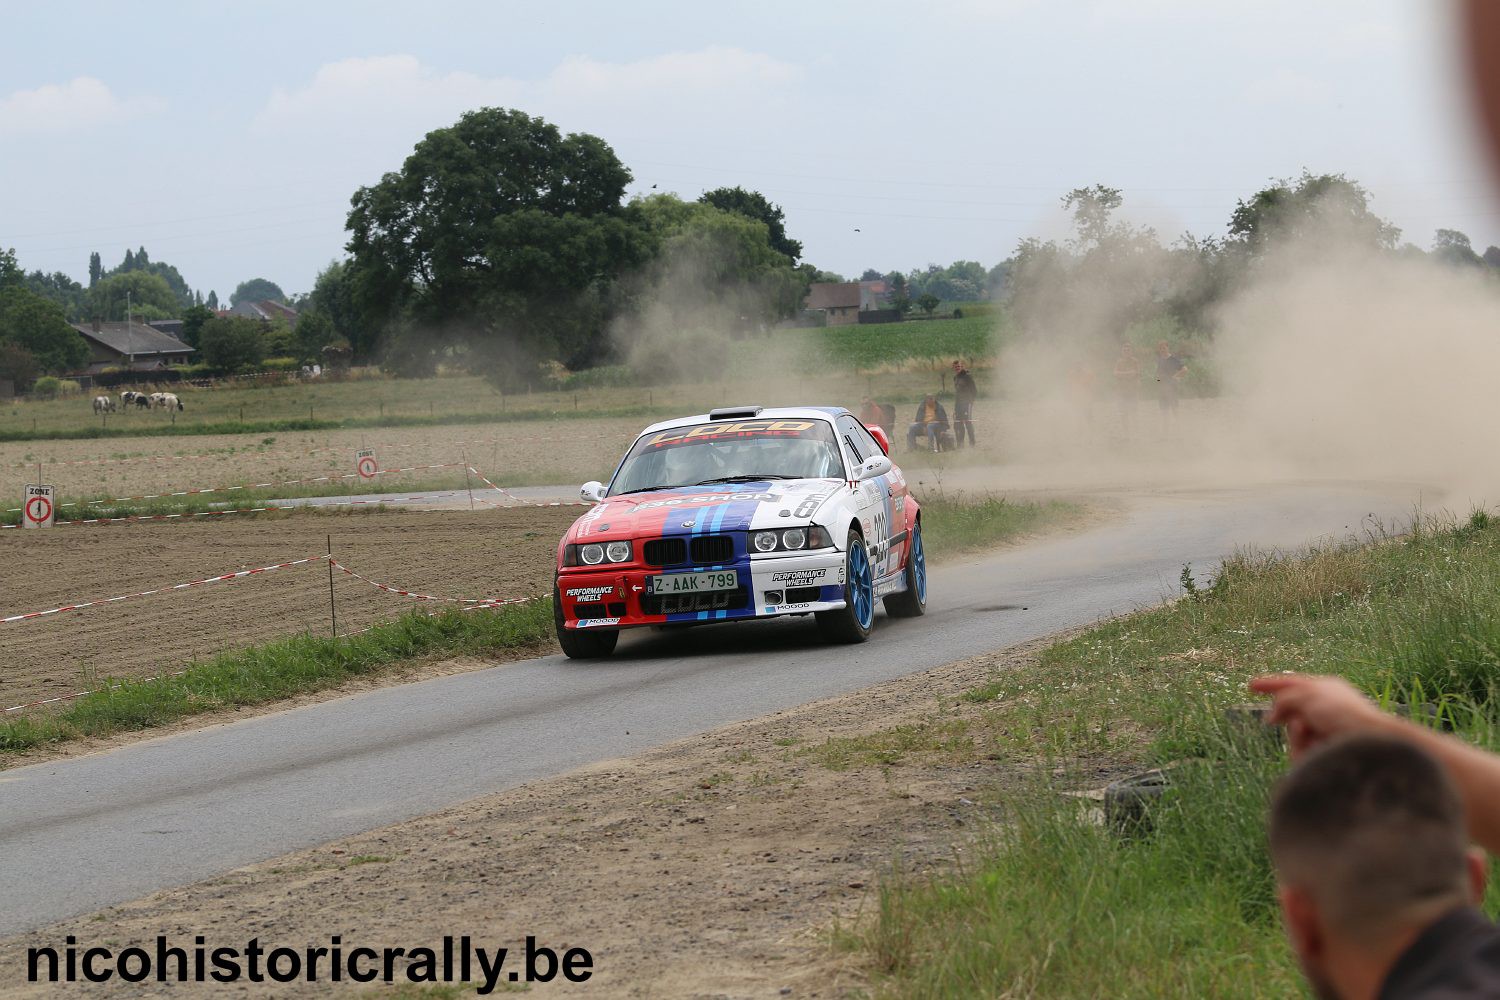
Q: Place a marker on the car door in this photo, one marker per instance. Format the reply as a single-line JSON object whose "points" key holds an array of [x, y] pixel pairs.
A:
{"points": [[872, 497]]}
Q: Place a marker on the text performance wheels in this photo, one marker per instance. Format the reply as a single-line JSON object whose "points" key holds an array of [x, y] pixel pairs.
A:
{"points": [[582, 644], [912, 601], [852, 622]]}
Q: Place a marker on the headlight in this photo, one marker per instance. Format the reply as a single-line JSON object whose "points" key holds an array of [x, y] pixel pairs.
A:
{"points": [[618, 551], [591, 554], [791, 539]]}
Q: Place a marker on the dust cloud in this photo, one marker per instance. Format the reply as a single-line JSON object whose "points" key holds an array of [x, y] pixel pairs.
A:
{"points": [[1332, 362]]}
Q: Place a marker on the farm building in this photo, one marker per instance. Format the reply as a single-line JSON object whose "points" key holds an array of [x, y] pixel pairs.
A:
{"points": [[839, 301], [268, 311], [133, 345]]}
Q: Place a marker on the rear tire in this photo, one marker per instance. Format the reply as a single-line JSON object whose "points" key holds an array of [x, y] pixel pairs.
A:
{"points": [[581, 644], [912, 602], [851, 623]]}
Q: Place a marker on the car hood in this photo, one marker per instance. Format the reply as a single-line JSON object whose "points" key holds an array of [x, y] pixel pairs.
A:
{"points": [[700, 509]]}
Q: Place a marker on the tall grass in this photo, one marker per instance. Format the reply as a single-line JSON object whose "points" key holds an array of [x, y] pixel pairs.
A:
{"points": [[1052, 904], [953, 524], [277, 670]]}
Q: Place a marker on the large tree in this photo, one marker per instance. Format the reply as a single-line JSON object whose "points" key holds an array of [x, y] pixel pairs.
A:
{"points": [[229, 343], [1314, 206], [257, 290], [498, 235], [61, 289], [146, 295], [1453, 247], [37, 326], [754, 205]]}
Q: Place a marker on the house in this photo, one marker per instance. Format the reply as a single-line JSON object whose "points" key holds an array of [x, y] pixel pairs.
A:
{"points": [[267, 311], [839, 301], [130, 345], [171, 327]]}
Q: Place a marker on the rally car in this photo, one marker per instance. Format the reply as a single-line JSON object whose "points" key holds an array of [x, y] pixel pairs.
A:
{"points": [[740, 513]]}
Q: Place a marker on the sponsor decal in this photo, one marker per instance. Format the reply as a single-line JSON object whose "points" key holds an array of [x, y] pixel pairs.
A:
{"points": [[710, 498], [894, 585], [589, 593], [731, 429], [801, 577], [779, 609], [596, 622]]}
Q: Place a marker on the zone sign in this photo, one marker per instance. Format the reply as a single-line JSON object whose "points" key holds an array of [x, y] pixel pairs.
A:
{"points": [[38, 509]]}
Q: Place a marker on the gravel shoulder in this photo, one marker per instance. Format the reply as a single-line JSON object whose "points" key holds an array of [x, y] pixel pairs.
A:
{"points": [[719, 866]]}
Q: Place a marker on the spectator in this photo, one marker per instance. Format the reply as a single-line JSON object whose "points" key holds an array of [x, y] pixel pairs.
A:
{"points": [[869, 412], [1368, 838], [931, 422], [1169, 372], [964, 393]]}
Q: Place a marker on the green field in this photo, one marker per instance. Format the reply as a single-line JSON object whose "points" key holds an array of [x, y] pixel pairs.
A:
{"points": [[1050, 904], [896, 362]]}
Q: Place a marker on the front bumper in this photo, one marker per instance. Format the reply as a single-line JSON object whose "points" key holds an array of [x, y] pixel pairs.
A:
{"points": [[770, 586]]}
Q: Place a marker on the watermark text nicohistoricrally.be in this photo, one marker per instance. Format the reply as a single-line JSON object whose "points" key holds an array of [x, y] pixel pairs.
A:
{"points": [[455, 960]]}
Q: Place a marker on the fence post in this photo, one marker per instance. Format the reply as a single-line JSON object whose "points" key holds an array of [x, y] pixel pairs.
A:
{"points": [[333, 615], [469, 483]]}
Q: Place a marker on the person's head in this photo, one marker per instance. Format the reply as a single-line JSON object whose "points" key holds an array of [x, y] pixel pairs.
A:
{"points": [[1163, 349], [1368, 839], [958, 366], [929, 399]]}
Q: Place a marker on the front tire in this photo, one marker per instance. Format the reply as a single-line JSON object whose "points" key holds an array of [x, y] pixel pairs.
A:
{"points": [[912, 602], [581, 644], [851, 623]]}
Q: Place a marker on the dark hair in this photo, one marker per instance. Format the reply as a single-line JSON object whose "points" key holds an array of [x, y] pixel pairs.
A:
{"points": [[1372, 826]]}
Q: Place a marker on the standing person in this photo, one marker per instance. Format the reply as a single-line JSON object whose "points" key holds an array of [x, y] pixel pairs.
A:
{"points": [[930, 421], [1127, 382], [1369, 835], [964, 393], [1169, 372]]}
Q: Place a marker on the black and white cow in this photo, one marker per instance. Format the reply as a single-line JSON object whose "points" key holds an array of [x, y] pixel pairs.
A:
{"points": [[104, 404]]}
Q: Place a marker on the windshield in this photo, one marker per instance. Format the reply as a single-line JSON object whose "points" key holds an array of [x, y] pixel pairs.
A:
{"points": [[730, 451]]}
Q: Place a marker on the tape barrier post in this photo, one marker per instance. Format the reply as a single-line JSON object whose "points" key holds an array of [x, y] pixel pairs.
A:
{"points": [[365, 463], [39, 509]]}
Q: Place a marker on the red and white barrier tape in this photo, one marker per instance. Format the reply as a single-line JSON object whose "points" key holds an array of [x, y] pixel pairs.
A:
{"points": [[486, 602], [160, 517], [100, 602], [524, 502]]}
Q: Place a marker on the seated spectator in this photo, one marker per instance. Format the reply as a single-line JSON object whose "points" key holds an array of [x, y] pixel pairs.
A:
{"points": [[930, 422], [1369, 836]]}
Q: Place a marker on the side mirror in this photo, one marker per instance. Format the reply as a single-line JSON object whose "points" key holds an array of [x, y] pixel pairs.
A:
{"points": [[877, 466], [592, 491]]}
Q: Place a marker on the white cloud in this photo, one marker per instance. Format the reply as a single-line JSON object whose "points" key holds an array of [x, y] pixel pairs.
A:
{"points": [[81, 102], [392, 92]]}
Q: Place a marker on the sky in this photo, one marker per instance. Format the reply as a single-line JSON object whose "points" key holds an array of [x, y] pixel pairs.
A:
{"points": [[227, 137]]}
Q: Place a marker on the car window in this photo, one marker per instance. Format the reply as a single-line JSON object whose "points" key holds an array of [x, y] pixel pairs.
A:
{"points": [[867, 441], [728, 450], [848, 430]]}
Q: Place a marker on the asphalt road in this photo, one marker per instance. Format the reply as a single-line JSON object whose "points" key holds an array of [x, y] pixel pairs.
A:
{"points": [[80, 834]]}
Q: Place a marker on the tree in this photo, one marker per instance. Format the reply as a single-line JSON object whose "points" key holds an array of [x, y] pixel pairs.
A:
{"points": [[213, 300], [229, 343], [141, 261], [96, 269], [1453, 247], [1492, 256], [753, 205], [333, 296], [256, 290], [149, 297], [314, 331], [900, 299], [61, 289], [499, 237], [1316, 207], [813, 275], [872, 275], [37, 325], [928, 303], [193, 321], [11, 274], [18, 365]]}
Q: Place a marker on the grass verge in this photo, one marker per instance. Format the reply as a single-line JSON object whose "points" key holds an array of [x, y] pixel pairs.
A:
{"points": [[277, 670], [1050, 902], [953, 524]]}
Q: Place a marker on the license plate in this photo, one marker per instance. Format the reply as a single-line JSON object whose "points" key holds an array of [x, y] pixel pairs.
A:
{"points": [[693, 583]]}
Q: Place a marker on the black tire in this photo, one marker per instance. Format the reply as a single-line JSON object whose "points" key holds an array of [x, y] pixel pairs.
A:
{"points": [[912, 602], [590, 644], [851, 623]]}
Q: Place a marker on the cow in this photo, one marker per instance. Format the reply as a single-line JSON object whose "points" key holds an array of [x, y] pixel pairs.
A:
{"points": [[156, 400], [131, 398], [104, 404], [169, 401], [142, 401]]}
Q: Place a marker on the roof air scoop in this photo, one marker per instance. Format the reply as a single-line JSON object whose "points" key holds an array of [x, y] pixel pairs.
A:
{"points": [[735, 412]]}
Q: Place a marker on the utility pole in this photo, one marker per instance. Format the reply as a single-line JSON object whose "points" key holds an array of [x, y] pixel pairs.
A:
{"points": [[129, 335]]}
